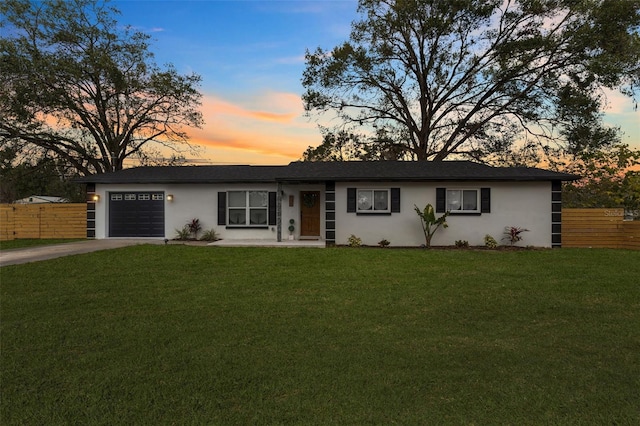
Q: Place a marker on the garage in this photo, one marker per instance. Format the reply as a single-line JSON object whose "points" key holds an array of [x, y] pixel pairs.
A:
{"points": [[136, 214]]}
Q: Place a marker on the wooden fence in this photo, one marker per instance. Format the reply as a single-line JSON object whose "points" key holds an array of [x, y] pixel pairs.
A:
{"points": [[599, 228], [38, 221]]}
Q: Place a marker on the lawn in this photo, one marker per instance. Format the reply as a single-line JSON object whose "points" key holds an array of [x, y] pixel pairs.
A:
{"points": [[200, 335], [24, 243]]}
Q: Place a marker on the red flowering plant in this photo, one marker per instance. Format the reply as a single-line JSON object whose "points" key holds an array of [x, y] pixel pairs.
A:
{"points": [[512, 234]]}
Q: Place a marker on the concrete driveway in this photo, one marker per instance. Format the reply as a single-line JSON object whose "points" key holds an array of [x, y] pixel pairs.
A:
{"points": [[34, 254]]}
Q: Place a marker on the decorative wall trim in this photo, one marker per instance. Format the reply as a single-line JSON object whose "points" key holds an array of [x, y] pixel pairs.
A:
{"points": [[330, 213], [556, 214], [91, 210]]}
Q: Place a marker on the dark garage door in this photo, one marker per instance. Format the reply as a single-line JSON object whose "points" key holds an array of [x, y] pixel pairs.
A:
{"points": [[136, 214]]}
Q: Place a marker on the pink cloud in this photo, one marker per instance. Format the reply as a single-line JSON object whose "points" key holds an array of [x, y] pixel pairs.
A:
{"points": [[267, 129]]}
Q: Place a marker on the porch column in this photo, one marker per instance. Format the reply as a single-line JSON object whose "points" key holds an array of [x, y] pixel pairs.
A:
{"points": [[279, 212]]}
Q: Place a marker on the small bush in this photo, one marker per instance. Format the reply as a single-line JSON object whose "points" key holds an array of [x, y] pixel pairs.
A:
{"points": [[512, 234], [383, 243], [183, 234], [210, 235], [490, 242], [194, 227], [354, 241], [462, 244]]}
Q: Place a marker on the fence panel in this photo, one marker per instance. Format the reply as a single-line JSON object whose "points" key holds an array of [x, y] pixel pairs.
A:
{"points": [[630, 235], [43, 221], [7, 224], [598, 228]]}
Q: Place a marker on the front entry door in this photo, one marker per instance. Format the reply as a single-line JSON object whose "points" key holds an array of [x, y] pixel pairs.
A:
{"points": [[310, 214]]}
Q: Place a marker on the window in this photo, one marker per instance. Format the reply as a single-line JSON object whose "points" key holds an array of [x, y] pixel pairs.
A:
{"points": [[373, 200], [157, 197], [129, 197], [462, 200], [144, 197], [116, 197], [247, 208]]}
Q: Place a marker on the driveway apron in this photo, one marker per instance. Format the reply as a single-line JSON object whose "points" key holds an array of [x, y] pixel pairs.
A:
{"points": [[35, 254]]}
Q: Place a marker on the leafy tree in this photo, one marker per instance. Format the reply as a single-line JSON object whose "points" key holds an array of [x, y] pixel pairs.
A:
{"points": [[346, 146], [25, 173], [478, 79], [86, 90], [610, 178]]}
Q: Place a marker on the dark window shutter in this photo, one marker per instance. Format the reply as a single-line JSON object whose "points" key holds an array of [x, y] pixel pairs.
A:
{"points": [[395, 200], [272, 208], [222, 208], [485, 200], [441, 200], [351, 200]]}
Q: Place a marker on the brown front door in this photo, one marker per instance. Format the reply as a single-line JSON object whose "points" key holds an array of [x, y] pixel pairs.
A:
{"points": [[310, 214]]}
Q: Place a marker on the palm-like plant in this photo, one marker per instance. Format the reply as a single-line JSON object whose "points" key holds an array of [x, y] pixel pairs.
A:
{"points": [[430, 224]]}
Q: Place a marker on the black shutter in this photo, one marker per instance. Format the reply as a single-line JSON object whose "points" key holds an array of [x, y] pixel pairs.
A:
{"points": [[441, 200], [485, 200], [351, 200], [395, 200], [272, 208], [222, 208]]}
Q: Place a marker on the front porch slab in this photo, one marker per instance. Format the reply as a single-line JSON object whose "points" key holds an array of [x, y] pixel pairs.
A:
{"points": [[269, 243]]}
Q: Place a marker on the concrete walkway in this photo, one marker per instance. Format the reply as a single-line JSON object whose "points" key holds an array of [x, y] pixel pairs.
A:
{"points": [[35, 254]]}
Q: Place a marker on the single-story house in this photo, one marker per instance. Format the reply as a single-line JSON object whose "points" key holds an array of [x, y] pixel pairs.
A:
{"points": [[329, 201]]}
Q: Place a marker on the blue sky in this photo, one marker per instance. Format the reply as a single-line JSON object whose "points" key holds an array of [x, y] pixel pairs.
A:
{"points": [[250, 55]]}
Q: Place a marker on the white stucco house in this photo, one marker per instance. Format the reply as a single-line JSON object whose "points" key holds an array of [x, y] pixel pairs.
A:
{"points": [[329, 201]]}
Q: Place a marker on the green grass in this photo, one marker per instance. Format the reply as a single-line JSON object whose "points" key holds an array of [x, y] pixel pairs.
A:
{"points": [[17, 244], [201, 335]]}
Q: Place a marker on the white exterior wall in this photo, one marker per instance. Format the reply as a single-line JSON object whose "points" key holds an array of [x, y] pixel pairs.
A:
{"points": [[201, 201], [521, 204]]}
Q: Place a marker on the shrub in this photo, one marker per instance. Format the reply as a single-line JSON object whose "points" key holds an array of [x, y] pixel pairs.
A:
{"points": [[384, 243], [354, 241], [194, 227], [462, 244], [210, 235], [490, 242], [512, 234], [183, 234]]}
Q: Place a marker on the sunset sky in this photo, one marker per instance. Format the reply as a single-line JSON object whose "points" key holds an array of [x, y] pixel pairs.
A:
{"points": [[250, 55]]}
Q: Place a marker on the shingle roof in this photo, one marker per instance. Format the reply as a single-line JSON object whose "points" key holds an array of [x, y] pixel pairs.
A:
{"points": [[414, 171], [188, 174], [329, 171]]}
